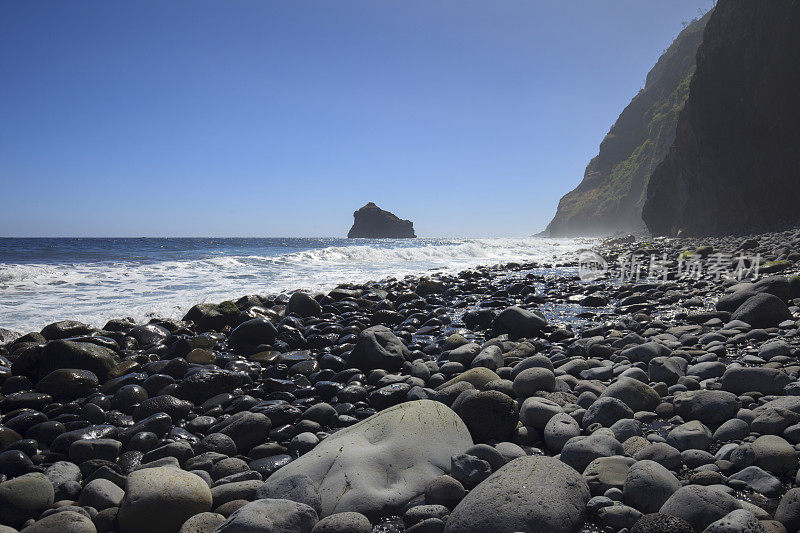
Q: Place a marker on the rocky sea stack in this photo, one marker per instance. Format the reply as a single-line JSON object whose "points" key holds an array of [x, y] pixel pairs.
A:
{"points": [[372, 222]]}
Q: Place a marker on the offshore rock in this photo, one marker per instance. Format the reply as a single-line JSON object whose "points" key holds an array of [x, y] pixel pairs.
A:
{"points": [[372, 222]]}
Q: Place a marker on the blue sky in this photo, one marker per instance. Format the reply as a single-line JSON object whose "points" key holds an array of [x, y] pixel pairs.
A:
{"points": [[280, 118]]}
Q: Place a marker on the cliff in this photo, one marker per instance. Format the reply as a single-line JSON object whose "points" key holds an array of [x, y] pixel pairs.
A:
{"points": [[612, 192], [735, 164], [372, 222]]}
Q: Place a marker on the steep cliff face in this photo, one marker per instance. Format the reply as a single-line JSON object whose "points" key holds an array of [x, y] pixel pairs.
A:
{"points": [[372, 222], [735, 163], [612, 192]]}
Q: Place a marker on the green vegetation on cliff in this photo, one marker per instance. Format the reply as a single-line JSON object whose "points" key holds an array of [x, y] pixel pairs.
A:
{"points": [[614, 186], [734, 165]]}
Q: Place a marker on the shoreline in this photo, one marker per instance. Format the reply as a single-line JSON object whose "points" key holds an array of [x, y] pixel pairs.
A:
{"points": [[590, 380], [165, 284]]}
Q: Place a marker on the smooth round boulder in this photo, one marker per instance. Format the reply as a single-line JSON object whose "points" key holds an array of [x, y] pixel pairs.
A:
{"points": [[536, 412], [518, 322], [444, 490], [161, 499], [298, 488], [788, 511], [477, 377], [758, 480], [101, 494], [378, 348], [733, 429], [774, 454], [77, 355], [742, 379], [384, 461], [666, 369], [699, 505], [711, 407], [648, 485], [559, 430], [667, 456], [62, 522], [24, 497], [303, 305], [343, 523], [490, 415], [202, 523], [254, 332], [578, 452], [606, 412], [65, 329], [246, 429], [533, 493], [68, 383], [274, 516], [739, 521], [633, 393], [606, 473], [532, 380], [692, 435], [762, 311], [206, 383]]}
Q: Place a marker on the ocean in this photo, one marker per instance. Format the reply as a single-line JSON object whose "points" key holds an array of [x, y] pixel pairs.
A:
{"points": [[43, 280]]}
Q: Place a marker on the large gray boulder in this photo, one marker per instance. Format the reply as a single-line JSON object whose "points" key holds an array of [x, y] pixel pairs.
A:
{"points": [[648, 485], [692, 435], [24, 497], [61, 522], [606, 473], [159, 500], [699, 505], [606, 411], [382, 462], [633, 393], [788, 511], [762, 311], [303, 305], [80, 355], [535, 494], [740, 293], [711, 407], [578, 452], [378, 347], [740, 521], [742, 379], [774, 454], [272, 516], [519, 322], [298, 488]]}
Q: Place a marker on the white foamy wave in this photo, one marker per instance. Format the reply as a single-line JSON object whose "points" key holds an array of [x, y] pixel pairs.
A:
{"points": [[32, 295], [465, 250]]}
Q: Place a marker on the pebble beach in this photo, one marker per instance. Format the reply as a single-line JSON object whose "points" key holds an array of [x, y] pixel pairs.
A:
{"points": [[516, 397]]}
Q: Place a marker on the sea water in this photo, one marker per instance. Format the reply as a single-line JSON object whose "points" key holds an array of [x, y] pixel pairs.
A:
{"points": [[44, 280]]}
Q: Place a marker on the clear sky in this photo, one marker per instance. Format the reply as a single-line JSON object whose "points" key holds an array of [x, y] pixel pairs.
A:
{"points": [[281, 117]]}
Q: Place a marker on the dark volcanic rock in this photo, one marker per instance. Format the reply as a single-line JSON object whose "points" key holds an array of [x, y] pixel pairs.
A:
{"points": [[81, 355], [372, 222], [762, 311], [614, 186], [378, 347], [67, 383], [735, 161]]}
